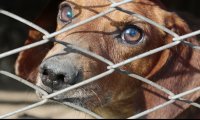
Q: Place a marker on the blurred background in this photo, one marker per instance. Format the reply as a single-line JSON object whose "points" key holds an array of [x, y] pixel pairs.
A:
{"points": [[13, 34]]}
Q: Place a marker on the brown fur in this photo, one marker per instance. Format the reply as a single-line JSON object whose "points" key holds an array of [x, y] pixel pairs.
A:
{"points": [[177, 69]]}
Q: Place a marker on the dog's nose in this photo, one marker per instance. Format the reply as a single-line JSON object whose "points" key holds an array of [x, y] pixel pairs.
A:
{"points": [[57, 73]]}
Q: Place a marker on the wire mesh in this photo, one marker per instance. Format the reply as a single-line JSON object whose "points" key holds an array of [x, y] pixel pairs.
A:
{"points": [[111, 66]]}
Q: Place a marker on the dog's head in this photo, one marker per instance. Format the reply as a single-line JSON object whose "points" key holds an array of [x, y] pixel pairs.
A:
{"points": [[116, 36]]}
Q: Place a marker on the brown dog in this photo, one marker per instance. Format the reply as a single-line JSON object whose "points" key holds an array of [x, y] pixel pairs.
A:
{"points": [[117, 37]]}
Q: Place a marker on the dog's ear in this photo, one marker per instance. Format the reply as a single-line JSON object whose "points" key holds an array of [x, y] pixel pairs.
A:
{"points": [[29, 60], [180, 73], [174, 23]]}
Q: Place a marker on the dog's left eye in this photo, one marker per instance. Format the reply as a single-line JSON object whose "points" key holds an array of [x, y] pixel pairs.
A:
{"points": [[66, 14]]}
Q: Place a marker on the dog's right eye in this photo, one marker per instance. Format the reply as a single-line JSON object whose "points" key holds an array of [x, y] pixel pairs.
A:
{"points": [[132, 35], [66, 13]]}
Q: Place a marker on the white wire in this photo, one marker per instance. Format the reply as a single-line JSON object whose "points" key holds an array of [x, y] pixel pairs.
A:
{"points": [[111, 68]]}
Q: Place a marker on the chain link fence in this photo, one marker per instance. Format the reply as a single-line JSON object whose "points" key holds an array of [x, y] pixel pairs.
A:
{"points": [[177, 40]]}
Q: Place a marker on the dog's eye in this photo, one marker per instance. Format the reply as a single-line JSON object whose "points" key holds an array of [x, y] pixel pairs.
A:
{"points": [[132, 35], [66, 14]]}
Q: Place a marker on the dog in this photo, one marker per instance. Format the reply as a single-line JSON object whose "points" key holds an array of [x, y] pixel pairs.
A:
{"points": [[117, 37]]}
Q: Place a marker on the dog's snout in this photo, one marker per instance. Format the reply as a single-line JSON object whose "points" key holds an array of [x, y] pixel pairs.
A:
{"points": [[57, 73]]}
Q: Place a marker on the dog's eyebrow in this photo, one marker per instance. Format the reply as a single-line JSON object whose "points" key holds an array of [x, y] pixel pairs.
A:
{"points": [[134, 19], [127, 20]]}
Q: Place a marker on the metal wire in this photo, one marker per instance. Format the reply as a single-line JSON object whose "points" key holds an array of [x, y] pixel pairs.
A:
{"points": [[111, 66]]}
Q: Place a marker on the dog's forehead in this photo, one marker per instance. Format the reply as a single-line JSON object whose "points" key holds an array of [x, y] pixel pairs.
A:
{"points": [[143, 7], [101, 3], [84, 9]]}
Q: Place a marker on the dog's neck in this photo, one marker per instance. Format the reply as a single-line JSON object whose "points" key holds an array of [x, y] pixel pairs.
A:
{"points": [[181, 74], [128, 107]]}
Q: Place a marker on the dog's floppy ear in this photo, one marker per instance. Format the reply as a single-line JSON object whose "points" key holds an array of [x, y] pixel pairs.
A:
{"points": [[29, 60], [180, 73], [177, 25]]}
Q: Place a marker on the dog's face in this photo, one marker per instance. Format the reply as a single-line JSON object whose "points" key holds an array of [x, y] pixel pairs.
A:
{"points": [[116, 37]]}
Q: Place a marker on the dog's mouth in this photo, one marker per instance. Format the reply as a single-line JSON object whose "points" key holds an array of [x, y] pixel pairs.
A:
{"points": [[74, 97], [86, 96]]}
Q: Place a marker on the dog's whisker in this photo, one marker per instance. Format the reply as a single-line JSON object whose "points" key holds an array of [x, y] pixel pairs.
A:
{"points": [[99, 99]]}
